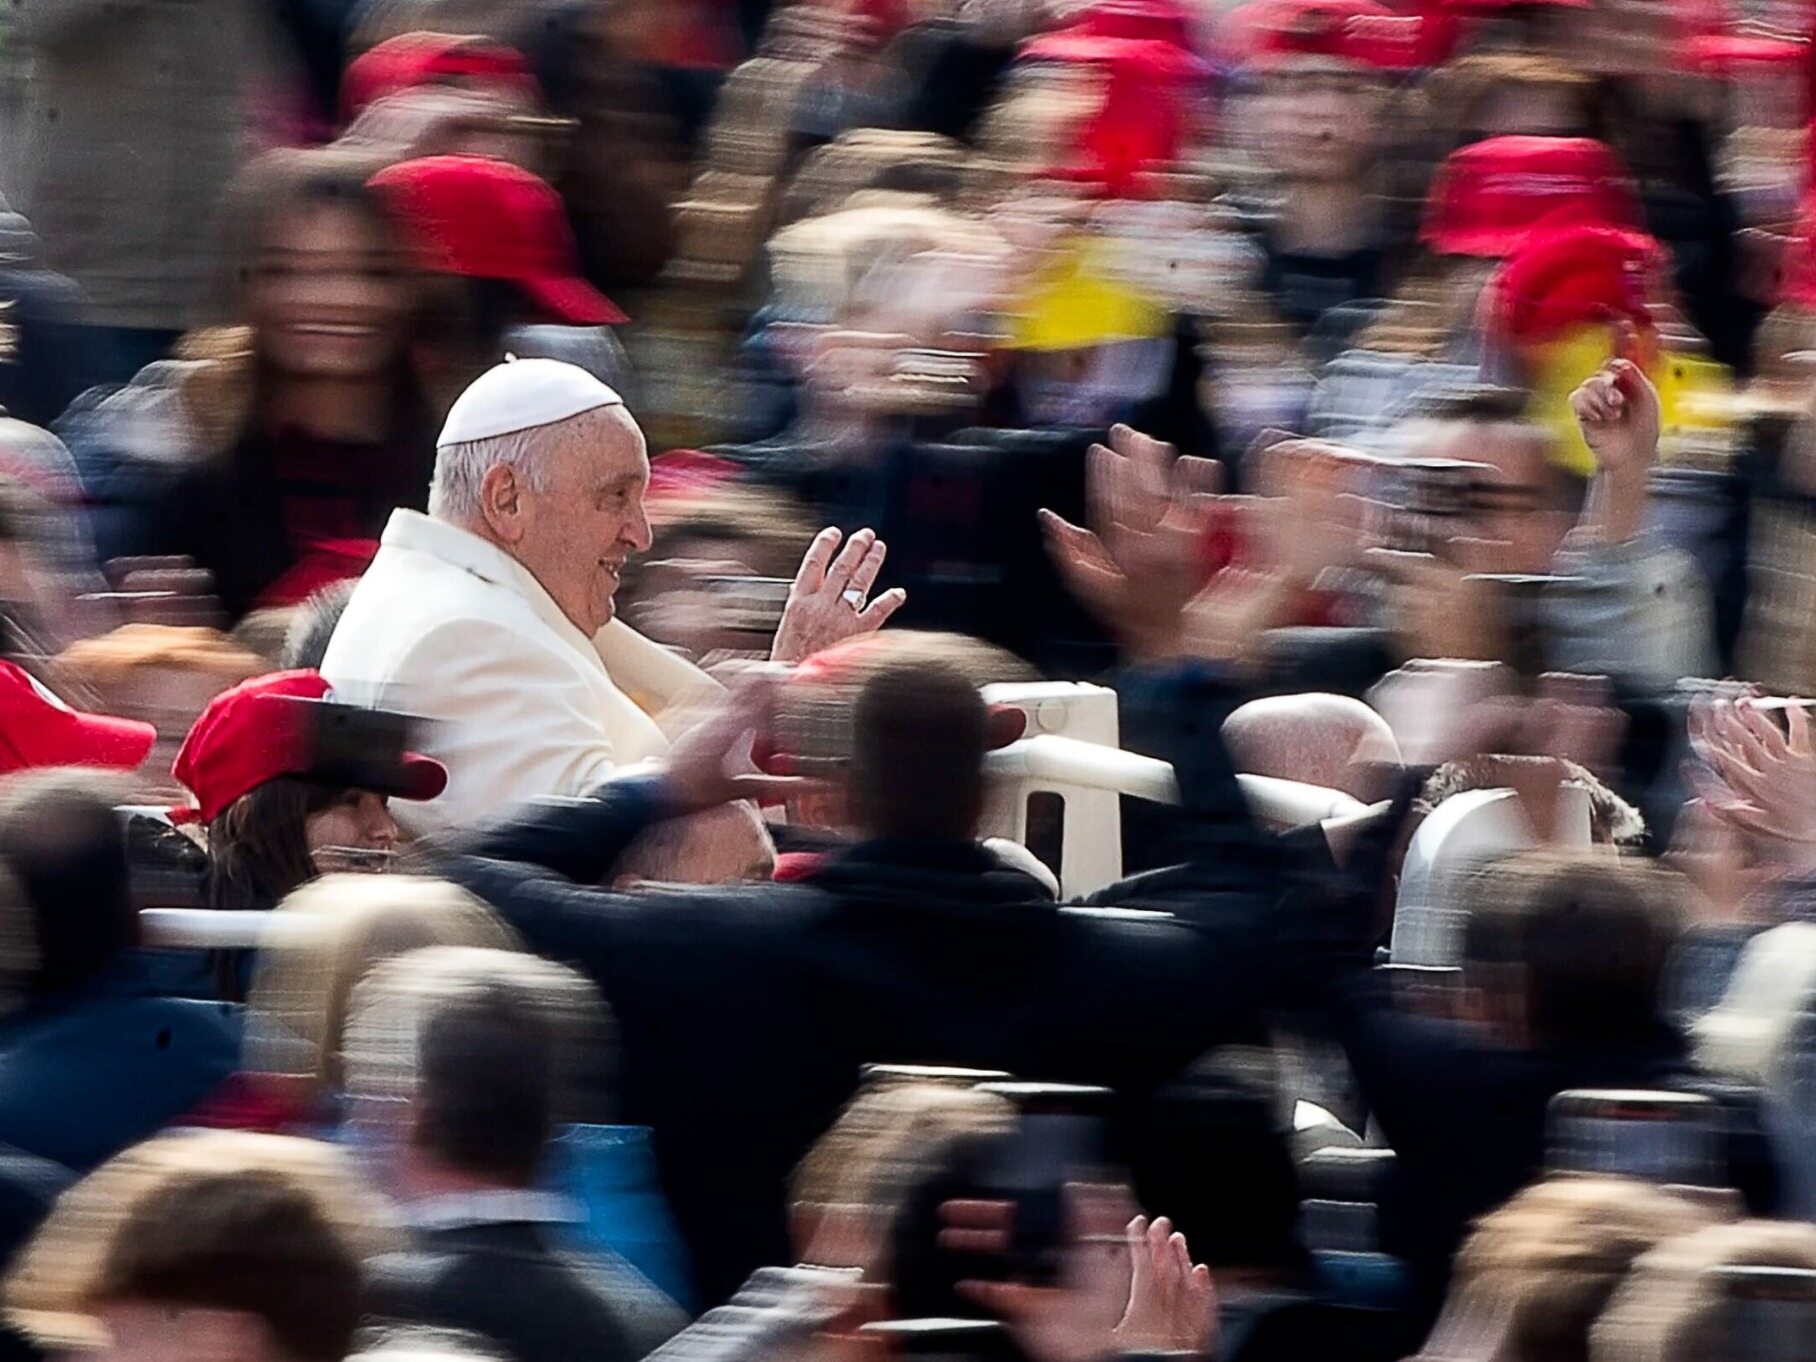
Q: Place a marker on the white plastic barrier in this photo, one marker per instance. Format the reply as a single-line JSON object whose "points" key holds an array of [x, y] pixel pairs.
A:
{"points": [[1089, 778], [212, 930], [1463, 831], [1282, 804]]}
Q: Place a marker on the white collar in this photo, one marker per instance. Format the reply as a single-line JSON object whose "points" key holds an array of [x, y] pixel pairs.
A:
{"points": [[497, 1206], [417, 533]]}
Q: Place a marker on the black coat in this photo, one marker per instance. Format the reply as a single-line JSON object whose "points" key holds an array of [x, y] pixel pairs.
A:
{"points": [[1467, 1115], [507, 1283], [746, 1013]]}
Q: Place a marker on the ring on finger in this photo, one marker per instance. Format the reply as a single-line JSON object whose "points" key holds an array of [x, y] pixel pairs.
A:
{"points": [[853, 597]]}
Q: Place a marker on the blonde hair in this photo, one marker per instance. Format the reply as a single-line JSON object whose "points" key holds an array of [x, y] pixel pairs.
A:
{"points": [[1669, 1308], [394, 1005], [1547, 1261], [883, 1137], [335, 931], [112, 661], [864, 158], [859, 1173]]}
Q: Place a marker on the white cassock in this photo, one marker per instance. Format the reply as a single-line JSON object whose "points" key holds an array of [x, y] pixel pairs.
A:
{"points": [[449, 627]]}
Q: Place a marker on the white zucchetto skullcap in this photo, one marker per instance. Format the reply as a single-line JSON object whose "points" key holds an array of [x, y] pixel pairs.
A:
{"points": [[521, 394]]}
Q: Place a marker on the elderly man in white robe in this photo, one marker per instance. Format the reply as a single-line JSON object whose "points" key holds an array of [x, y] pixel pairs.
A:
{"points": [[493, 614]]}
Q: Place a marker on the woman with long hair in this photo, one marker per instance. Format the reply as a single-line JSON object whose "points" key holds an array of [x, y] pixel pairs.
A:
{"points": [[275, 817], [274, 448]]}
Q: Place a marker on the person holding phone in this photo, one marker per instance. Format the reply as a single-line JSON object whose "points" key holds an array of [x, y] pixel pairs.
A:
{"points": [[273, 820]]}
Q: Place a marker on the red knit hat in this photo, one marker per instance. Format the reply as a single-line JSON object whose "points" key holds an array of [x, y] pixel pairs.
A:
{"points": [[1490, 194], [1575, 276], [1269, 34], [1798, 280], [38, 729], [488, 219], [260, 730], [411, 60], [1143, 48]]}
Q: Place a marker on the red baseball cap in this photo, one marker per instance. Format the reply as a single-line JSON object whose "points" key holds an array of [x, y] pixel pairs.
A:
{"points": [[488, 219], [1490, 6], [1162, 21], [1723, 53], [1144, 49], [411, 60], [1797, 282], [257, 731], [38, 729], [1490, 194], [1575, 276], [1271, 34]]}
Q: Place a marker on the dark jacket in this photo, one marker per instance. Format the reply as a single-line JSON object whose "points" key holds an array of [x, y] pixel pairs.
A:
{"points": [[507, 1282], [746, 1013], [1467, 1115], [101, 1067]]}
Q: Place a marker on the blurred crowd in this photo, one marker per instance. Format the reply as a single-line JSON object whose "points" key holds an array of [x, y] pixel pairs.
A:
{"points": [[967, 680]]}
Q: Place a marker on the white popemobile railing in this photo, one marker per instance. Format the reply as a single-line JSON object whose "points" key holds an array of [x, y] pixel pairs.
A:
{"points": [[1071, 752]]}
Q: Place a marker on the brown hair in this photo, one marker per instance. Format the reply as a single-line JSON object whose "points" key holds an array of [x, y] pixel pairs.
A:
{"points": [[220, 387], [1592, 933], [258, 850], [262, 1224]]}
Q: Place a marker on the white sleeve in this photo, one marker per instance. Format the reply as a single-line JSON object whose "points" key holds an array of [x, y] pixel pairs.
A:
{"points": [[511, 718]]}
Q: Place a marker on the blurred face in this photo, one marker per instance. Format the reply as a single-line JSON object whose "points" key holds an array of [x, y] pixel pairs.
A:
{"points": [[1515, 514], [359, 819], [1531, 109], [576, 529], [329, 297], [1321, 123], [144, 1331]]}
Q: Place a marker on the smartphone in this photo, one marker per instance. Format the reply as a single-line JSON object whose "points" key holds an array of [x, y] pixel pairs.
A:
{"points": [[1427, 990], [1060, 1136], [1663, 1137], [1768, 1314], [338, 860], [1429, 500], [943, 1340]]}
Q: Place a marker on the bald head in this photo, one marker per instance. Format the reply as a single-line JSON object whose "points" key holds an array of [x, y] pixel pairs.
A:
{"points": [[1328, 740]]}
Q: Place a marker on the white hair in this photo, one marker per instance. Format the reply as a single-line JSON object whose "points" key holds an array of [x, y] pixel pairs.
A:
{"points": [[461, 468]]}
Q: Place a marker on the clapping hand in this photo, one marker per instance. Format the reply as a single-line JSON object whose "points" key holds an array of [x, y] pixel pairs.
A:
{"points": [[1124, 1287], [1141, 567], [1757, 776], [1141, 559]]}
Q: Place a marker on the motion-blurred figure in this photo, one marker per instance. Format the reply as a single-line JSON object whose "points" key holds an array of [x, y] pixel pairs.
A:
{"points": [[123, 124], [460, 1066]]}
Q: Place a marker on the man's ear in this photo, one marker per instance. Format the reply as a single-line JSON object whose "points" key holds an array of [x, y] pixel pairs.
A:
{"points": [[501, 503]]}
